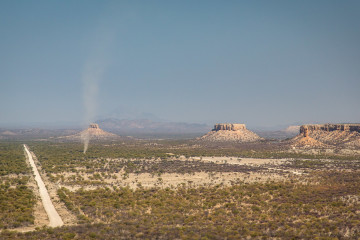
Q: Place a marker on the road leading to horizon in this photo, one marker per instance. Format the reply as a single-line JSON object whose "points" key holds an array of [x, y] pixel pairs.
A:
{"points": [[54, 217]]}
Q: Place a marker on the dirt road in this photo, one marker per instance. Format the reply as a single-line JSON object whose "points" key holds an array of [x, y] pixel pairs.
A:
{"points": [[54, 217]]}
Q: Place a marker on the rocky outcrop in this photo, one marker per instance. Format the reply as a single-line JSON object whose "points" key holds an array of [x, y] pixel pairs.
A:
{"points": [[229, 127], [343, 135], [304, 129], [306, 142], [94, 126], [226, 132], [93, 132]]}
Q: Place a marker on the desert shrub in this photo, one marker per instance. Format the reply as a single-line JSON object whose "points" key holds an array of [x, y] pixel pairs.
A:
{"points": [[12, 159], [265, 210], [16, 206]]}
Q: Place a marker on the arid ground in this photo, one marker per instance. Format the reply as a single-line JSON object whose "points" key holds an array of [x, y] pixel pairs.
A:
{"points": [[167, 189]]}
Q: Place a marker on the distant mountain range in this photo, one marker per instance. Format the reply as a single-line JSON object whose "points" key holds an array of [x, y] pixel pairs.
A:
{"points": [[138, 128], [289, 132], [146, 126], [34, 133]]}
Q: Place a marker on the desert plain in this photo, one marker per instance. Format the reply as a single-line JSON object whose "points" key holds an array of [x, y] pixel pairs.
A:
{"points": [[228, 184]]}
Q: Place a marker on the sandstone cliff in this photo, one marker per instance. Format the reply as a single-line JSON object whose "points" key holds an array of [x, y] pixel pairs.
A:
{"points": [[330, 127], [225, 132], [343, 135]]}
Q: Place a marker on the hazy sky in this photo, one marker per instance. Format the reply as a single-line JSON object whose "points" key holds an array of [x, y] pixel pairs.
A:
{"points": [[263, 63]]}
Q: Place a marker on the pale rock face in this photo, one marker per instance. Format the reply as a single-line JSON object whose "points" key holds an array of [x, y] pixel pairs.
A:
{"points": [[329, 135], [228, 132], [331, 127]]}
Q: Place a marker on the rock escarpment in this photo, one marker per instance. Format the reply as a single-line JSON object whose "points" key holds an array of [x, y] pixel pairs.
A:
{"points": [[330, 128], [226, 132], [344, 135]]}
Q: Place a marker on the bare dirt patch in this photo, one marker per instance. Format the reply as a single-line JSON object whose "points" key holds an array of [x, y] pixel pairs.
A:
{"points": [[174, 180], [225, 171], [241, 161]]}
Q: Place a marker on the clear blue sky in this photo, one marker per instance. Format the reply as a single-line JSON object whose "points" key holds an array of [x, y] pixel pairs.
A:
{"points": [[263, 63]]}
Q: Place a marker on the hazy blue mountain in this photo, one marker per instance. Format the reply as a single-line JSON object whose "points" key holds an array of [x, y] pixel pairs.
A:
{"points": [[146, 126]]}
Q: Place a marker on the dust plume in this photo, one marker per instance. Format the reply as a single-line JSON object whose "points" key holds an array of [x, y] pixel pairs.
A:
{"points": [[85, 137], [92, 75]]}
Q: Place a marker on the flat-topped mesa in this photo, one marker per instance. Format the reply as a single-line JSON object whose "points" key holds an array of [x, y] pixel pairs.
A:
{"points": [[304, 129], [345, 135], [229, 127], [230, 132]]}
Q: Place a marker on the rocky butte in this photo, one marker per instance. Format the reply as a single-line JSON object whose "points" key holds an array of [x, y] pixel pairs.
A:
{"points": [[345, 135], [94, 132], [230, 132]]}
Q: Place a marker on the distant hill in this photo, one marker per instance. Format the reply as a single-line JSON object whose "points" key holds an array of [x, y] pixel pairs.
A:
{"points": [[34, 133], [289, 132], [148, 127]]}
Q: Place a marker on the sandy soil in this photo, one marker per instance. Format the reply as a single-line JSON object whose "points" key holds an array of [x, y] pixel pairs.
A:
{"points": [[67, 217], [346, 152], [55, 219], [174, 180], [41, 217], [240, 161]]}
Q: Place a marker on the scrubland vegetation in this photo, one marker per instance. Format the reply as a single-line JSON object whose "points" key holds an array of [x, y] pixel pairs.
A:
{"points": [[12, 159], [328, 210], [16, 205], [60, 157], [16, 199], [322, 202]]}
